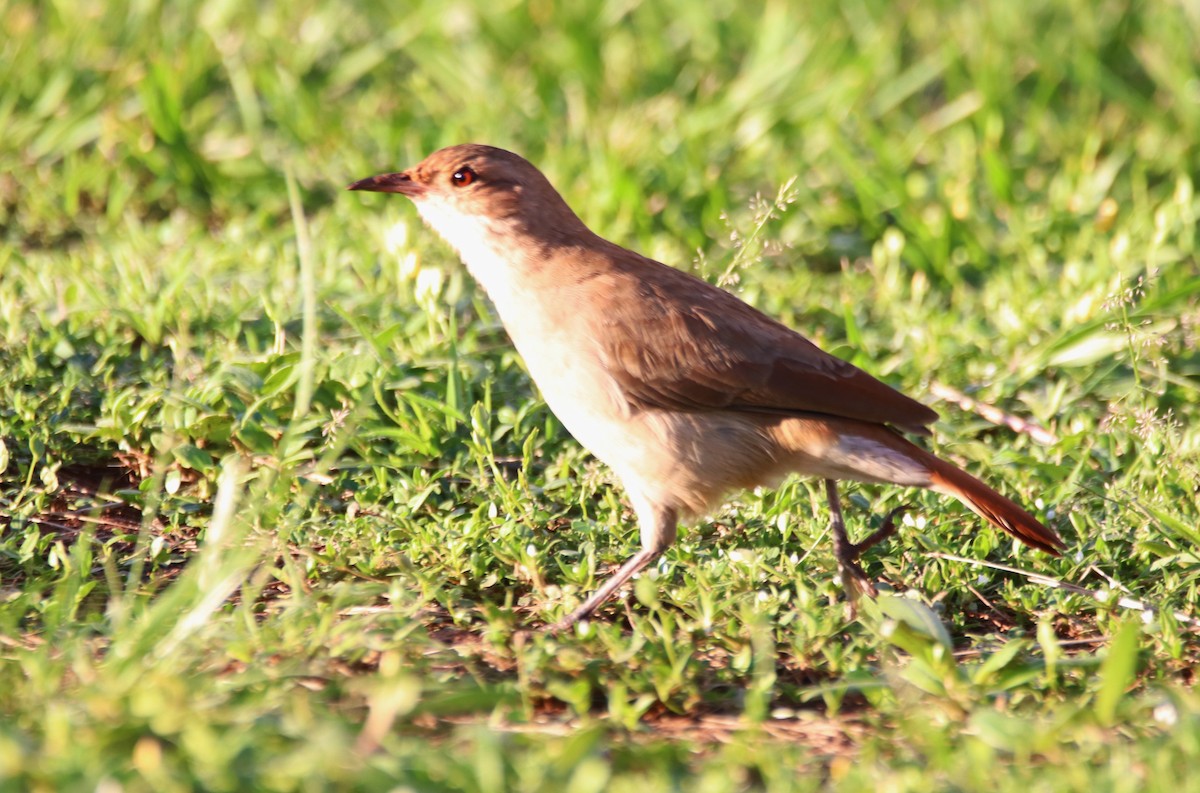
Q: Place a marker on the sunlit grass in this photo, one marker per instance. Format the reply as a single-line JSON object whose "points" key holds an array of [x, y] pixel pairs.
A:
{"points": [[280, 505]]}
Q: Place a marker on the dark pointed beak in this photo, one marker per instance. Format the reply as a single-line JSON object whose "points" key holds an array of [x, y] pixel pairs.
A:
{"points": [[389, 183]]}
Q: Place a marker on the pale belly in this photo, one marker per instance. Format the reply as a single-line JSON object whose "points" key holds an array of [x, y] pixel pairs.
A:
{"points": [[687, 461]]}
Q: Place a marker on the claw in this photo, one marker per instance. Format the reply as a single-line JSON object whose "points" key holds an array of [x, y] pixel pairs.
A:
{"points": [[856, 582], [883, 532]]}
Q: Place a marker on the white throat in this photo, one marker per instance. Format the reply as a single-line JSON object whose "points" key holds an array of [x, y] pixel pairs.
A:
{"points": [[474, 237], [491, 255]]}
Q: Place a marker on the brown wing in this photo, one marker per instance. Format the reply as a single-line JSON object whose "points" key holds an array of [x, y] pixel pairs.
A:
{"points": [[675, 342]]}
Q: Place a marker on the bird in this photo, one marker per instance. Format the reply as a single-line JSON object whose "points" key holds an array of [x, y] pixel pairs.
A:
{"points": [[687, 393]]}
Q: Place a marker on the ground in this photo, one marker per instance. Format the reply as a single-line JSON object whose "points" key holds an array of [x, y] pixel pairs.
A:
{"points": [[279, 508]]}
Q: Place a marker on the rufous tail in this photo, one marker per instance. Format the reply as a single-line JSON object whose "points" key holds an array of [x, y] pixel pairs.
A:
{"points": [[1001, 512]]}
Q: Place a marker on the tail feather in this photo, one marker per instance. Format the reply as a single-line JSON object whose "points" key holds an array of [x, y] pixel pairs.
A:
{"points": [[1000, 511]]}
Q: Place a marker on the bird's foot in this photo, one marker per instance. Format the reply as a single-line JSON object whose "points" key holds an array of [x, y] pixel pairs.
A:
{"points": [[882, 533], [855, 580]]}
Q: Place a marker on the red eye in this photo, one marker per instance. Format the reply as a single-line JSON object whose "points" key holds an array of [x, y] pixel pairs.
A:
{"points": [[463, 177]]}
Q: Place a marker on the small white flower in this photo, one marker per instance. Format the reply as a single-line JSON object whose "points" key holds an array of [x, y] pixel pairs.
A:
{"points": [[1166, 714], [742, 556], [410, 265], [395, 239], [429, 285]]}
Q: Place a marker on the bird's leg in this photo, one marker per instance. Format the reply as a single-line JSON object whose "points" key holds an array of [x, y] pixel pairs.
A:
{"points": [[614, 582], [846, 552], [658, 524]]}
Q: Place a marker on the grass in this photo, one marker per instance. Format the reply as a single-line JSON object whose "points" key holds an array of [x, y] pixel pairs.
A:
{"points": [[278, 504]]}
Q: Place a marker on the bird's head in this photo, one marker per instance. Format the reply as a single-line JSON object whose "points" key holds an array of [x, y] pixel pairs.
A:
{"points": [[470, 190]]}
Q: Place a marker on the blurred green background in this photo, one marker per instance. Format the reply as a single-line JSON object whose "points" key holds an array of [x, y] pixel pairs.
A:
{"points": [[277, 501]]}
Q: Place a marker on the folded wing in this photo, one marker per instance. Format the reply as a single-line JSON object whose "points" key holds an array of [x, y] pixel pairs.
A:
{"points": [[716, 352]]}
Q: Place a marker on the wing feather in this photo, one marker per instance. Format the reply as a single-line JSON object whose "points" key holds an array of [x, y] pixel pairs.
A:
{"points": [[672, 341]]}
